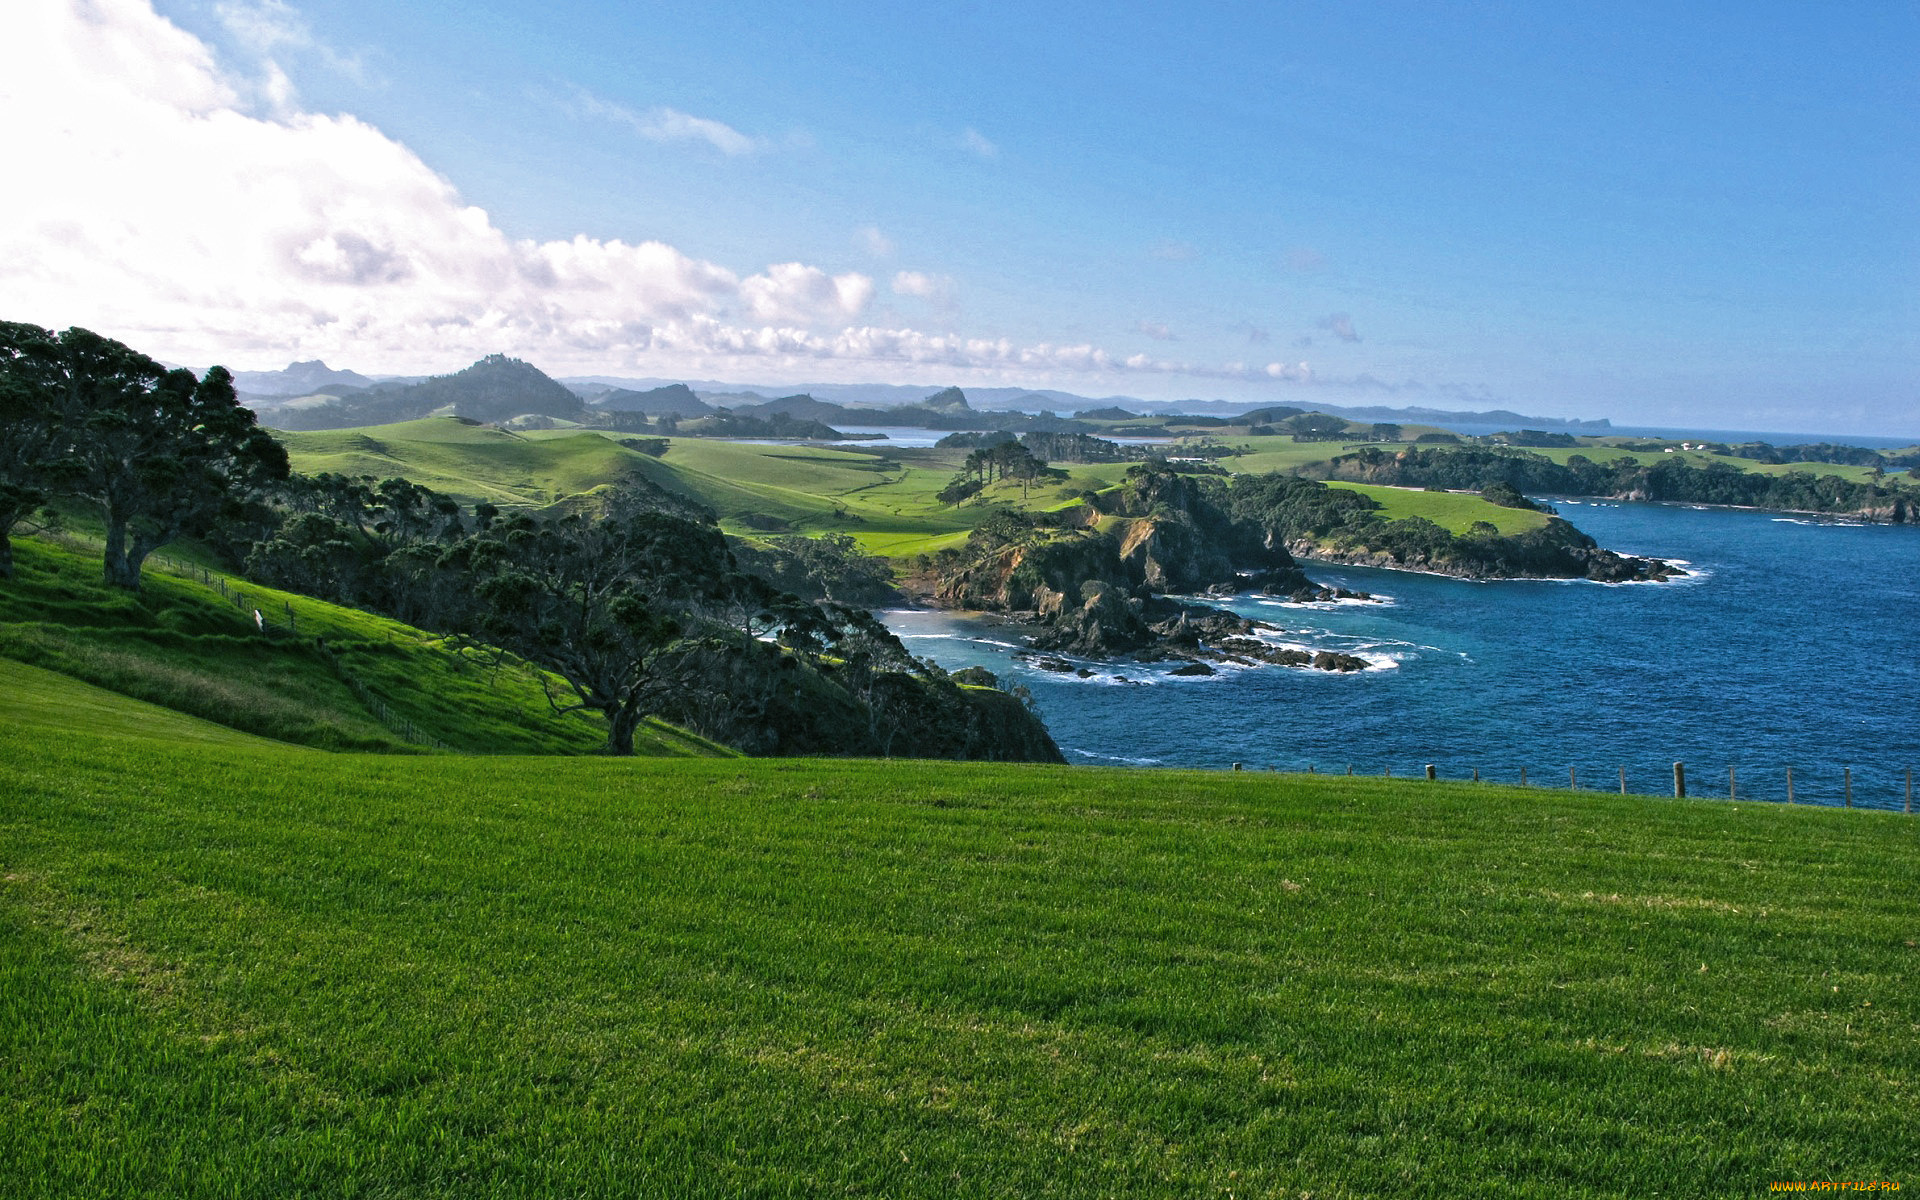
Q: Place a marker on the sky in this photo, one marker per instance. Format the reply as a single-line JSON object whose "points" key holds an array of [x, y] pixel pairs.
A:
{"points": [[1703, 214]]}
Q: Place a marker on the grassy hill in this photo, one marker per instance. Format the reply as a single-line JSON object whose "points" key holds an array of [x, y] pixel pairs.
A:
{"points": [[885, 497], [232, 967], [333, 678]]}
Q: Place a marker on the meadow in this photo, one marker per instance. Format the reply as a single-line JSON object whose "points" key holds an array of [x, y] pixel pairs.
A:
{"points": [[884, 497], [235, 967]]}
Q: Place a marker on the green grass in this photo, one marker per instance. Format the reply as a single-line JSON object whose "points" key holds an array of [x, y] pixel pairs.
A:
{"points": [[1455, 511], [233, 968], [182, 644], [883, 496]]}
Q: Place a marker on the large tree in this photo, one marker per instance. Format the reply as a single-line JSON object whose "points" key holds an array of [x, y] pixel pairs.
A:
{"points": [[165, 455], [604, 603], [29, 368]]}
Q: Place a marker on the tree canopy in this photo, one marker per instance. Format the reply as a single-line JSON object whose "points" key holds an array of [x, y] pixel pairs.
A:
{"points": [[164, 455]]}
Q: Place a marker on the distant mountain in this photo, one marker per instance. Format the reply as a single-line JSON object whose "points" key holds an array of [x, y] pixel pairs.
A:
{"points": [[298, 379], [1033, 400], [947, 400], [675, 399], [494, 389], [801, 407]]}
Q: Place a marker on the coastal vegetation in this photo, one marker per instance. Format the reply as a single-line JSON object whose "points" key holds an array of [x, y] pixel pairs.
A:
{"points": [[625, 602], [1629, 478]]}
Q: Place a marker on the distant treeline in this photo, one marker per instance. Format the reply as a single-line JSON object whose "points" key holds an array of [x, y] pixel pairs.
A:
{"points": [[1671, 479]]}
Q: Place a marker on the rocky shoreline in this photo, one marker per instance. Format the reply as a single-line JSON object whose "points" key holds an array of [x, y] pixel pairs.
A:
{"points": [[1096, 581], [1194, 635], [1569, 555]]}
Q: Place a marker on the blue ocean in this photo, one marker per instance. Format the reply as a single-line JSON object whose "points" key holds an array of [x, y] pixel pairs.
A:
{"points": [[1793, 643]]}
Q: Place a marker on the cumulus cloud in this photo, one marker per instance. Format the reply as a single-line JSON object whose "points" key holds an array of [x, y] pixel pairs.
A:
{"points": [[874, 242], [919, 283], [1156, 330], [174, 218], [1340, 325], [662, 124], [795, 293], [974, 142]]}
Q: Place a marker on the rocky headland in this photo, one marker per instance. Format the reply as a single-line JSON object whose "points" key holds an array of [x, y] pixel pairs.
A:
{"points": [[1099, 580]]}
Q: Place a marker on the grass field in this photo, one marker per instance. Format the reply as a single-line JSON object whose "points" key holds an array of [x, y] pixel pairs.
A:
{"points": [[184, 644], [231, 967]]}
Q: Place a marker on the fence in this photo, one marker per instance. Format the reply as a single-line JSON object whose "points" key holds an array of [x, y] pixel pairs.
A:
{"points": [[282, 621], [1836, 787]]}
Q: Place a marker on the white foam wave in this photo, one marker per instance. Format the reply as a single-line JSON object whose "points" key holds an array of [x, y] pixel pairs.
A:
{"points": [[1117, 758]]}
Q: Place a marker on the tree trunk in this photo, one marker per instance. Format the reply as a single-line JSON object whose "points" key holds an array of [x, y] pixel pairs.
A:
{"points": [[622, 721], [119, 573], [6, 554]]}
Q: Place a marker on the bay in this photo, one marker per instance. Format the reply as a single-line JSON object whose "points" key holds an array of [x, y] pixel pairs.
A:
{"points": [[1793, 643]]}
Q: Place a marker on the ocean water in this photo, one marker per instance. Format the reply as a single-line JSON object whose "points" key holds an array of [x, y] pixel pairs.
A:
{"points": [[1794, 643]]}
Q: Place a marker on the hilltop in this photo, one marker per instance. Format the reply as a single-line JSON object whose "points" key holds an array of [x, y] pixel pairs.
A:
{"points": [[496, 388]]}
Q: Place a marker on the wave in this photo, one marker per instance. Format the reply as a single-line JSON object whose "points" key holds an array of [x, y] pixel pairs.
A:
{"points": [[956, 637], [1117, 758], [1379, 601]]}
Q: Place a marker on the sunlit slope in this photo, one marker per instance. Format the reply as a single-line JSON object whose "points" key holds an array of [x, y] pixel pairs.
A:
{"points": [[322, 675], [233, 969], [471, 462], [885, 497]]}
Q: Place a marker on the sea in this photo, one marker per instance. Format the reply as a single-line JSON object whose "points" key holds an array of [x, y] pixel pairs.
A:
{"points": [[1792, 643]]}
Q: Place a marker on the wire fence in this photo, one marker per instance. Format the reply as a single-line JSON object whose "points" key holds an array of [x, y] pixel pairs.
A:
{"points": [[277, 618], [1841, 786]]}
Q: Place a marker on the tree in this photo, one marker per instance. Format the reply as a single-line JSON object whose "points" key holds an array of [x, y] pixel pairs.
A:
{"points": [[165, 455], [602, 603], [28, 371]]}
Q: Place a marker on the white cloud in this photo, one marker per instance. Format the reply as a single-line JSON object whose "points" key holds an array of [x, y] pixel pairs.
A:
{"points": [[269, 27], [1156, 330], [875, 243], [796, 294], [662, 124], [919, 283], [166, 215], [976, 143]]}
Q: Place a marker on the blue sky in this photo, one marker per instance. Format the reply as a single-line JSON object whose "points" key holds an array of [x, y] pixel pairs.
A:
{"points": [[1665, 214]]}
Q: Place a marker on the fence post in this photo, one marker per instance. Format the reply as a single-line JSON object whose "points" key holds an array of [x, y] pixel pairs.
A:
{"points": [[1789, 785], [1733, 784], [1349, 768], [1909, 789], [1476, 774], [1388, 772], [1623, 781], [1679, 781], [1849, 777], [1429, 772], [1573, 779], [1236, 766], [1523, 777]]}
